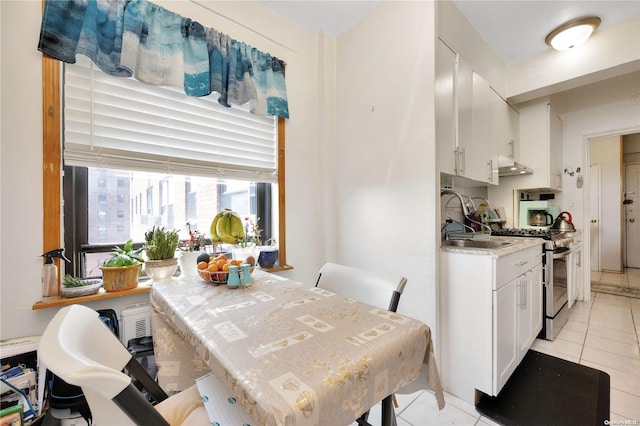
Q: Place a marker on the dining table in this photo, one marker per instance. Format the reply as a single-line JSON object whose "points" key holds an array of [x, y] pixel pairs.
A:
{"points": [[292, 353]]}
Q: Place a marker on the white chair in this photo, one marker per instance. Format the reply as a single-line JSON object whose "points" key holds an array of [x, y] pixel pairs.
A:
{"points": [[379, 290], [80, 349]]}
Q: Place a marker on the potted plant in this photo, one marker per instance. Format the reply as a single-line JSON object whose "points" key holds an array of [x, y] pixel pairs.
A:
{"points": [[160, 248], [190, 253], [121, 271], [246, 246]]}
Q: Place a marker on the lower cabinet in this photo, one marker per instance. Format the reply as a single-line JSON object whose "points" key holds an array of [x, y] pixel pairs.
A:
{"points": [[490, 314], [517, 321]]}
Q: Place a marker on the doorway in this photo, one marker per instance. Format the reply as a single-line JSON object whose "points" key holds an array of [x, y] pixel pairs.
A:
{"points": [[614, 214], [631, 215]]}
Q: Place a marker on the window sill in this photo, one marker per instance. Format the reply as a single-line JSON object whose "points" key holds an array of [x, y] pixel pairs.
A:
{"points": [[144, 287], [55, 301], [277, 268]]}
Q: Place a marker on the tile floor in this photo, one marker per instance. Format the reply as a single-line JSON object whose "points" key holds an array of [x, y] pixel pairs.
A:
{"points": [[626, 284], [603, 333]]}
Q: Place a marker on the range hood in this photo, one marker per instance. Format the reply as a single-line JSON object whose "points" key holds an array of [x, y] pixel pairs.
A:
{"points": [[508, 167]]}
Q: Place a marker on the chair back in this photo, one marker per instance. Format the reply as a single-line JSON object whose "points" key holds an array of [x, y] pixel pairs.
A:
{"points": [[80, 349], [380, 290]]}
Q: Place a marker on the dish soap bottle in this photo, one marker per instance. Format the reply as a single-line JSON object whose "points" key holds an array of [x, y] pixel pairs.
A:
{"points": [[50, 272]]}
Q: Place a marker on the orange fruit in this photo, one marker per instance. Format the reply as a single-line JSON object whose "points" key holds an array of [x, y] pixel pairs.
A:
{"points": [[225, 267], [220, 263], [202, 265], [213, 267], [221, 257]]}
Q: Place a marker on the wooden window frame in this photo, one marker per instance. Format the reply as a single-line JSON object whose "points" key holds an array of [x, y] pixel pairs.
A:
{"points": [[52, 168]]}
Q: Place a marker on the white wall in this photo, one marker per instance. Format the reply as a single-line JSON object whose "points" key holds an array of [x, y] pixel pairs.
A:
{"points": [[21, 147], [609, 107], [609, 53], [385, 150]]}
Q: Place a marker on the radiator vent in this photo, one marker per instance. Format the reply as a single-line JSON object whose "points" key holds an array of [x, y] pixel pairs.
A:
{"points": [[136, 322]]}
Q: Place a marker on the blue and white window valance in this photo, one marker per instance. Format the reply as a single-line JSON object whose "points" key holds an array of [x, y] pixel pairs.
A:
{"points": [[136, 38]]}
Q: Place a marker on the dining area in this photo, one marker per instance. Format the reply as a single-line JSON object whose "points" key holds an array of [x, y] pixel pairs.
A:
{"points": [[291, 352], [275, 351]]}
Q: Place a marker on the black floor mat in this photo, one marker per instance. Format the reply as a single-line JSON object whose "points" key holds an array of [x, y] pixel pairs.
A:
{"points": [[545, 390]]}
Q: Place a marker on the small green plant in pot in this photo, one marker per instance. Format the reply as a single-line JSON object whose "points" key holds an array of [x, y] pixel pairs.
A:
{"points": [[121, 271], [160, 248]]}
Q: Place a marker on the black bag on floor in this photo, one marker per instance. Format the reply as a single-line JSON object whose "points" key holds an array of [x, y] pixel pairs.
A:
{"points": [[110, 319], [141, 348]]}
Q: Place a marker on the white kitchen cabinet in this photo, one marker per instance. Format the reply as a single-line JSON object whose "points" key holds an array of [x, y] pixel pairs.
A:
{"points": [[574, 273], [518, 318], [505, 121], [462, 119], [482, 146], [529, 308], [540, 146], [505, 330], [446, 114], [491, 312]]}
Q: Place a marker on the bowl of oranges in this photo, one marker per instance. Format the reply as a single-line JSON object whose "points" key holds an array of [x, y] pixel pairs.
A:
{"points": [[215, 270]]}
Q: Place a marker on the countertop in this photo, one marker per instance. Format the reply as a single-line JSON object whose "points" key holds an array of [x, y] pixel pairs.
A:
{"points": [[517, 244]]}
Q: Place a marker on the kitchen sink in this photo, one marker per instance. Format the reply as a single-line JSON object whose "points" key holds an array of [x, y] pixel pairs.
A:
{"points": [[481, 244]]}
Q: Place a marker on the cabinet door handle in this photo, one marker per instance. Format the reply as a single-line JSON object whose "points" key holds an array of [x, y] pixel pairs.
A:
{"points": [[461, 162], [512, 148], [522, 289], [456, 160], [522, 263], [490, 171]]}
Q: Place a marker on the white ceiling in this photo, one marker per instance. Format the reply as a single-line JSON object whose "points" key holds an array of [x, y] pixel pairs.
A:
{"points": [[513, 29]]}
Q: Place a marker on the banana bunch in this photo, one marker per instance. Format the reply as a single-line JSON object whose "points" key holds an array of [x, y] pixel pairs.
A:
{"points": [[227, 227]]}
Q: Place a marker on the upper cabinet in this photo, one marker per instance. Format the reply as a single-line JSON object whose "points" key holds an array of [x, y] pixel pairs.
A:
{"points": [[541, 145], [446, 113], [505, 122], [463, 111]]}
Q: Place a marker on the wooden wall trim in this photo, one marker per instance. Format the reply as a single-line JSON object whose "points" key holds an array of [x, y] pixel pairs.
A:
{"points": [[282, 241], [51, 164]]}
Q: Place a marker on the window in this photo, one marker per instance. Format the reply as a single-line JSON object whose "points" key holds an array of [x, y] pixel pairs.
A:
{"points": [[133, 199], [150, 201], [207, 194]]}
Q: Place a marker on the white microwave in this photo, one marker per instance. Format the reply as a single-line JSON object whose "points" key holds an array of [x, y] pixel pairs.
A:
{"points": [[535, 209]]}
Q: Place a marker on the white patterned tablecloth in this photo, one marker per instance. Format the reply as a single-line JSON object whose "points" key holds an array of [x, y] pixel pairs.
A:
{"points": [[294, 354]]}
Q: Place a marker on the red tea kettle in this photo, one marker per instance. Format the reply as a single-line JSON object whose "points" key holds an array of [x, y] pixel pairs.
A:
{"points": [[564, 223]]}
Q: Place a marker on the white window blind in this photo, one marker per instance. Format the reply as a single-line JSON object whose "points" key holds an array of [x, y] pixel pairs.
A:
{"points": [[120, 123]]}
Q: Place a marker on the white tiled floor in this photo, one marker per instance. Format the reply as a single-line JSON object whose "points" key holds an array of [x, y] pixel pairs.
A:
{"points": [[625, 284], [602, 334]]}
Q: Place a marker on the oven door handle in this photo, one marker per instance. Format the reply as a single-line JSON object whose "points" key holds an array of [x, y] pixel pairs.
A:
{"points": [[562, 254]]}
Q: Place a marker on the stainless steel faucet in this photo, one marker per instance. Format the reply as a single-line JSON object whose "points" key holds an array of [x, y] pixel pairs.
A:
{"points": [[463, 205]]}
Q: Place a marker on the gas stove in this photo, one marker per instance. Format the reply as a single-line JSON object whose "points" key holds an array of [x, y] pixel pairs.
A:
{"points": [[554, 239]]}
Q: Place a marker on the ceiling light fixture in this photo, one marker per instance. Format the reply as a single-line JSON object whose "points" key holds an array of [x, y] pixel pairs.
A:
{"points": [[573, 33]]}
